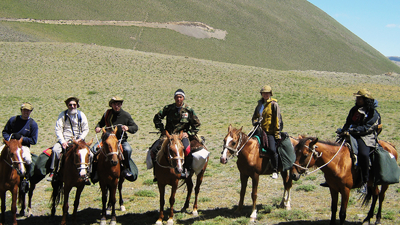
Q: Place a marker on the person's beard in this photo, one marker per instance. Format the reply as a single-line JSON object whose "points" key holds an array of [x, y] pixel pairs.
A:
{"points": [[72, 111]]}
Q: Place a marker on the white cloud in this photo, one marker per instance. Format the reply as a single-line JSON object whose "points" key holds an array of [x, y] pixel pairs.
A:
{"points": [[393, 25]]}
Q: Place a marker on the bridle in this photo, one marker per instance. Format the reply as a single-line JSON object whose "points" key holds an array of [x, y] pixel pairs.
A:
{"points": [[239, 145], [118, 152], [317, 155], [13, 163], [169, 157]]}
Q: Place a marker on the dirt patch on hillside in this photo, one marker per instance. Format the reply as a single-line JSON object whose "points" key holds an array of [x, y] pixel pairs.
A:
{"points": [[192, 29]]}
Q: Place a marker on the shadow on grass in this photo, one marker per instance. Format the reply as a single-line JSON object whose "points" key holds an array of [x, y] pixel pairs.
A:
{"points": [[319, 222]]}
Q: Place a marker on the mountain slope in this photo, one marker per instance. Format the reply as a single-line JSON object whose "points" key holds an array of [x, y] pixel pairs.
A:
{"points": [[276, 34]]}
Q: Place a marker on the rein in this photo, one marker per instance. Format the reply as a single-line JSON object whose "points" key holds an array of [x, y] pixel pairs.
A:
{"points": [[237, 150], [318, 155]]}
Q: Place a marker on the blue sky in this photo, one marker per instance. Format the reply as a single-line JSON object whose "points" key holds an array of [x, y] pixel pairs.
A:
{"points": [[377, 22]]}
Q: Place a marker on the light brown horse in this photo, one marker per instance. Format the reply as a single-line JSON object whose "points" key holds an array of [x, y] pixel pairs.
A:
{"points": [[168, 168], [335, 162], [11, 169], [109, 172], [251, 165], [73, 172]]}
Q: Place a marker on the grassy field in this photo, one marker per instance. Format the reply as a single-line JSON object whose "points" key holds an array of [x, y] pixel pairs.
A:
{"points": [[312, 103], [284, 35]]}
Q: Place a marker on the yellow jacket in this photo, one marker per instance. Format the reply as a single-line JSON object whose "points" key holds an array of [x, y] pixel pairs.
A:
{"points": [[271, 122]]}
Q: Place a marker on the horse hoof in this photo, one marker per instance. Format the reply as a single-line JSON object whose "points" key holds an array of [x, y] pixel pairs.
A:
{"points": [[123, 208], [159, 222], [195, 213], [103, 222], [113, 222], [170, 222], [108, 212]]}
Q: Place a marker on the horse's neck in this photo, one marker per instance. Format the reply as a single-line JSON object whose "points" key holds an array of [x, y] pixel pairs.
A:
{"points": [[331, 154]]}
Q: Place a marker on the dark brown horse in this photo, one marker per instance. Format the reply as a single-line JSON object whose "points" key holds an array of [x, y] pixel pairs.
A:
{"points": [[251, 165], [11, 169], [335, 162], [168, 168], [109, 172], [74, 170]]}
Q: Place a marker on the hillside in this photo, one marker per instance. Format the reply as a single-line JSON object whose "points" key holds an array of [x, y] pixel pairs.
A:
{"points": [[312, 103], [276, 34]]}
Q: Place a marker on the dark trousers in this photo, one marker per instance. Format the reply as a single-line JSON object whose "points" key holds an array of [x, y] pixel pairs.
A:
{"points": [[363, 159], [273, 151]]}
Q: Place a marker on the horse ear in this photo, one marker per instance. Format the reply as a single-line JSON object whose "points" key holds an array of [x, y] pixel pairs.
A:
{"points": [[20, 140], [5, 141], [240, 130], [168, 136], [181, 135], [300, 136], [103, 129], [229, 128], [115, 130], [90, 142], [314, 142]]}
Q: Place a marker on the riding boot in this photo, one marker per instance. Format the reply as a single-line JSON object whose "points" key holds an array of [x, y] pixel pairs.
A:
{"points": [[126, 172], [275, 164], [94, 177], [187, 166]]}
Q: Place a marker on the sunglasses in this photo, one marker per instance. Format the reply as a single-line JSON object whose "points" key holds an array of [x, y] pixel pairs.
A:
{"points": [[71, 104]]}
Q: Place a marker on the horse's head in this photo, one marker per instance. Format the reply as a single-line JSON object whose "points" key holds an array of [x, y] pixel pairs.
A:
{"points": [[232, 143], [13, 149], [305, 156], [81, 153], [172, 148], [110, 146]]}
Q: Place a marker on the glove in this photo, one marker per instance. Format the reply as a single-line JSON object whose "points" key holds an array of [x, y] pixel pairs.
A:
{"points": [[339, 131], [16, 136], [258, 121]]}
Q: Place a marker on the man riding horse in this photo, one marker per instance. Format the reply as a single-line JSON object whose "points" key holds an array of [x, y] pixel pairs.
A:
{"points": [[180, 117]]}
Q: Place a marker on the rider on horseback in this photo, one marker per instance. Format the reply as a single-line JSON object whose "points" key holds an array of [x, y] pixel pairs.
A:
{"points": [[71, 124], [267, 115], [116, 116], [180, 116]]}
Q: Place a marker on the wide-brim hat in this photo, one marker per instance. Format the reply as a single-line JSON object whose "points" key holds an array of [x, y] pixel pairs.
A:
{"points": [[72, 99], [27, 106], [363, 93], [115, 99], [266, 88]]}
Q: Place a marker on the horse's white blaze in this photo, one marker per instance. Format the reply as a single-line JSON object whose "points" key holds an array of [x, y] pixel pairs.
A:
{"points": [[179, 161], [82, 168], [20, 161], [225, 151]]}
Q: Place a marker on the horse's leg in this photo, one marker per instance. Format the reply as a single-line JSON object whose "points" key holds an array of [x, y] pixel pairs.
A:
{"points": [[14, 204], [375, 193], [30, 194], [22, 202], [287, 183], [243, 180], [189, 185], [67, 189], [171, 203], [343, 206], [381, 199], [255, 180], [78, 193], [3, 207], [113, 191], [161, 189], [334, 201], [199, 180], [104, 190], [121, 201]]}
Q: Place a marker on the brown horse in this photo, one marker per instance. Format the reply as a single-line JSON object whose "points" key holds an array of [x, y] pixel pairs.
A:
{"points": [[168, 168], [73, 172], [335, 162], [251, 165], [11, 169], [109, 172]]}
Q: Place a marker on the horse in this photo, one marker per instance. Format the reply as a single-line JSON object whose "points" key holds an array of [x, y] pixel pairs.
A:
{"points": [[75, 163], [251, 165], [11, 169], [335, 162], [168, 167], [109, 172]]}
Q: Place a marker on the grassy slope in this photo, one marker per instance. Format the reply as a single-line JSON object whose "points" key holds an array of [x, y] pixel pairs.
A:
{"points": [[314, 103], [291, 34]]}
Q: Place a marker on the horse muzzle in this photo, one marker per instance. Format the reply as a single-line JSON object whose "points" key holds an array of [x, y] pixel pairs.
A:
{"points": [[223, 160]]}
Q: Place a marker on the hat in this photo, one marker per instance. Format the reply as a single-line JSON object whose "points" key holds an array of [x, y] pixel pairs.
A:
{"points": [[115, 99], [363, 93], [266, 88], [179, 92], [72, 99], [27, 106]]}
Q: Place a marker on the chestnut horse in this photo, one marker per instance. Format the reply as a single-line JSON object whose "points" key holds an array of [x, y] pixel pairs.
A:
{"points": [[335, 162], [251, 165], [168, 168], [109, 172], [74, 170], [11, 169]]}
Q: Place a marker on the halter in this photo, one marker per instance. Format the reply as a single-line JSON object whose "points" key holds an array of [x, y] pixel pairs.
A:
{"points": [[318, 155], [237, 150], [119, 153], [169, 158], [82, 165], [12, 165]]}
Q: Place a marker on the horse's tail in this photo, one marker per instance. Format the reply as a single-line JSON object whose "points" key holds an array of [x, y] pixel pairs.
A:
{"points": [[21, 197], [56, 196], [366, 198]]}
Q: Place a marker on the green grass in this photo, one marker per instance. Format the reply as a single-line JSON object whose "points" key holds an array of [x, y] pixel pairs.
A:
{"points": [[285, 35], [312, 103]]}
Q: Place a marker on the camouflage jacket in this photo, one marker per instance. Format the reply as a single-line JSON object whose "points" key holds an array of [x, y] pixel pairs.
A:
{"points": [[184, 120]]}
